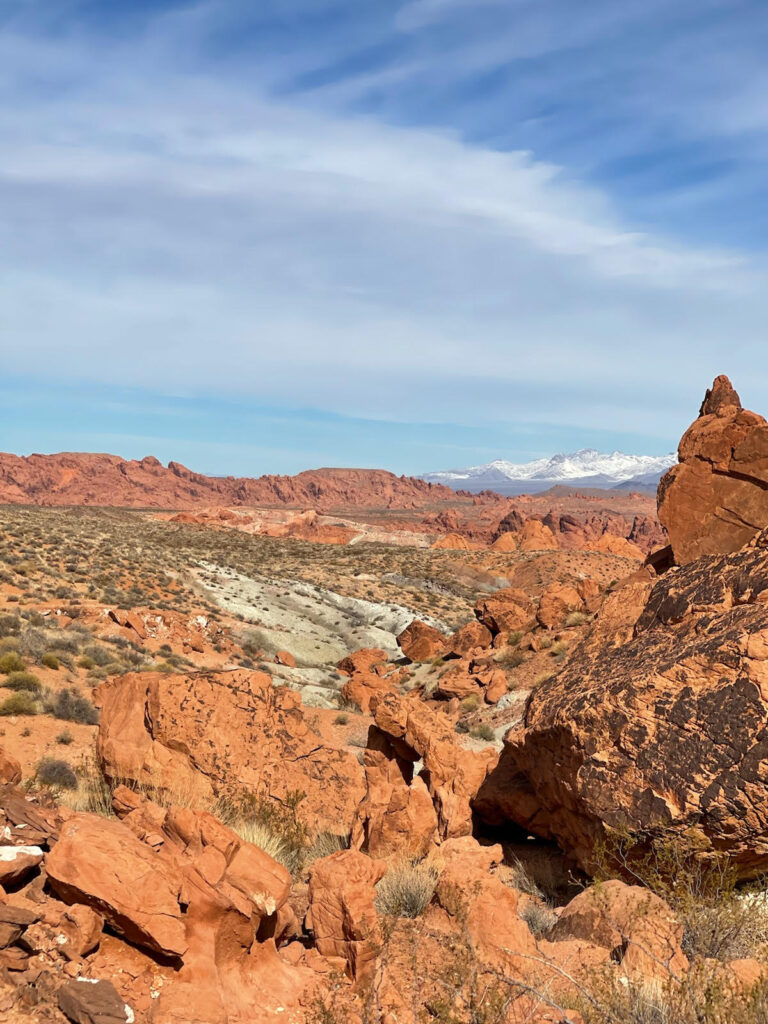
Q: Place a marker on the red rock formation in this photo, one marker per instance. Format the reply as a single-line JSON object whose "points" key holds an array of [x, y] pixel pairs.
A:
{"points": [[224, 733], [408, 731], [342, 916], [420, 642], [504, 611], [716, 498], [76, 478], [657, 722]]}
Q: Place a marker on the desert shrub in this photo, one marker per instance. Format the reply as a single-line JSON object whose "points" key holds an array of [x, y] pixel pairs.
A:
{"points": [[56, 773], [85, 662], [483, 732], [576, 619], [276, 828], [93, 793], [260, 834], [65, 738], [511, 659], [721, 920], [539, 917], [11, 662], [10, 625], [341, 719], [22, 681], [514, 638], [324, 845], [559, 650], [469, 704], [100, 656], [701, 997], [50, 661], [71, 706], [545, 643], [21, 703], [407, 888]]}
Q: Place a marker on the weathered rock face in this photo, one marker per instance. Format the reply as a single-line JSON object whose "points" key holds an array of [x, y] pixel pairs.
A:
{"points": [[398, 798], [636, 925], [656, 725], [10, 769], [421, 642], [716, 498], [102, 864], [227, 732], [342, 915], [506, 610]]}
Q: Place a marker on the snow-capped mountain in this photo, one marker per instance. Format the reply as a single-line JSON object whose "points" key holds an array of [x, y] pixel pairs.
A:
{"points": [[585, 468]]}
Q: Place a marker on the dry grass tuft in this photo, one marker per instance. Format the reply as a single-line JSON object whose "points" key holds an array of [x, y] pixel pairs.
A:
{"points": [[407, 888]]}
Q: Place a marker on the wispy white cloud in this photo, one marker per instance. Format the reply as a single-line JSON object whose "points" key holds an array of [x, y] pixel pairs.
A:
{"points": [[168, 222]]}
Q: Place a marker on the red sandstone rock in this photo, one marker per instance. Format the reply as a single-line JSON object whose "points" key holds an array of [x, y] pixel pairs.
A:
{"points": [[535, 536], [714, 500], [73, 478], [655, 724], [557, 602], [420, 642], [635, 924], [342, 916], [408, 731], [472, 637], [505, 611], [101, 863], [285, 658], [10, 769], [224, 733]]}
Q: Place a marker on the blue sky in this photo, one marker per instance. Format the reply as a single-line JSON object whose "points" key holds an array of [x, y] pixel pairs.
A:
{"points": [[265, 237]]}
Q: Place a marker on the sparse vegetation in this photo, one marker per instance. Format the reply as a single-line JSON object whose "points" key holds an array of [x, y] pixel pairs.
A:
{"points": [[407, 888], [11, 662], [21, 703], [22, 681], [56, 773], [72, 706]]}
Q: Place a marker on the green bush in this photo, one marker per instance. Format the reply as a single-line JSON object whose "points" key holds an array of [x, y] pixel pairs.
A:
{"points": [[56, 773], [11, 662], [22, 681], [21, 703], [50, 661]]}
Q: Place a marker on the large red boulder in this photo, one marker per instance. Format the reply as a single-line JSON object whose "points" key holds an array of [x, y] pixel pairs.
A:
{"points": [[421, 642], [507, 610], [209, 734], [342, 914], [656, 724], [101, 863], [714, 500]]}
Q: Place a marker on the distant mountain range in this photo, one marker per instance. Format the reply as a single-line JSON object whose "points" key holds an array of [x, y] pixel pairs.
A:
{"points": [[585, 468]]}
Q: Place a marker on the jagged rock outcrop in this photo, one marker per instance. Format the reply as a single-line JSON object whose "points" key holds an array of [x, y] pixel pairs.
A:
{"points": [[716, 498], [657, 724], [420, 781], [228, 733]]}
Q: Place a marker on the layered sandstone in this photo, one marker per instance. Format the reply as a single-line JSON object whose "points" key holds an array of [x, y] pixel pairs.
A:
{"points": [[716, 498]]}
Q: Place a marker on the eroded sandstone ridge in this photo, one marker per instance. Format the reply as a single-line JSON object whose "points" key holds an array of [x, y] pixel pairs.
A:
{"points": [[716, 498], [657, 723]]}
